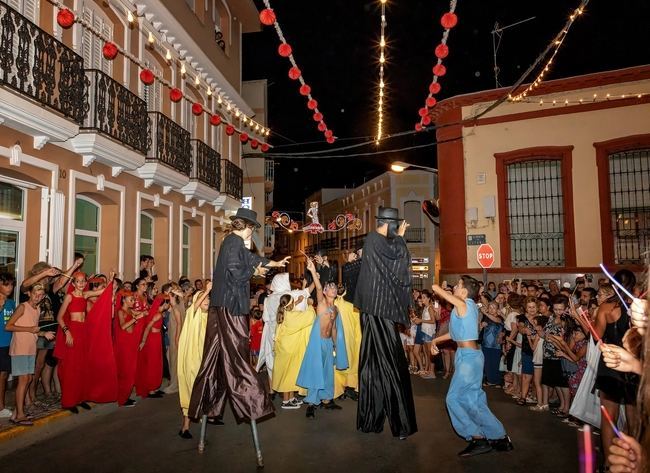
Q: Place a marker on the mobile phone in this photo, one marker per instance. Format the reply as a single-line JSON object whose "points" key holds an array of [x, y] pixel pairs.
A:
{"points": [[436, 304]]}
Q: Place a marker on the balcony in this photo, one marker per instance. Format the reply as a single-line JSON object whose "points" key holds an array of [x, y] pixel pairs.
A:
{"points": [[116, 129], [168, 162], [269, 175], [205, 177], [232, 184], [415, 235], [352, 243], [49, 75]]}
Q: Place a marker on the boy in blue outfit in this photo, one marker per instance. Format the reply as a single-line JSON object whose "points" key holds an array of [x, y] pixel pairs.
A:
{"points": [[466, 401]]}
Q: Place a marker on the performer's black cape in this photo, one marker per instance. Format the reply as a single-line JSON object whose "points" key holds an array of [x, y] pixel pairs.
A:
{"points": [[384, 284]]}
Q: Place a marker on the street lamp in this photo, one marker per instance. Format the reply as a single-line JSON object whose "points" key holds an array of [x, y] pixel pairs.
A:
{"points": [[400, 166]]}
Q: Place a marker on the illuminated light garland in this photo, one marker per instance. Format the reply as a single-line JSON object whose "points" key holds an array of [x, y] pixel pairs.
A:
{"points": [[66, 18], [595, 98], [557, 42], [269, 18], [382, 60], [448, 21]]}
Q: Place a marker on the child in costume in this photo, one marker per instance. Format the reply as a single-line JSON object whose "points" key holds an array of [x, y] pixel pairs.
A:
{"points": [[346, 382], [150, 357], [466, 401], [291, 339], [325, 351], [128, 334]]}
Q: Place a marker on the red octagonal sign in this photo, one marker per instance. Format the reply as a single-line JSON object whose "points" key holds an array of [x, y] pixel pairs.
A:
{"points": [[485, 256]]}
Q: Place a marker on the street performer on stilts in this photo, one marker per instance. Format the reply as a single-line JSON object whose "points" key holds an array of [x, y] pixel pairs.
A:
{"points": [[383, 298], [226, 372]]}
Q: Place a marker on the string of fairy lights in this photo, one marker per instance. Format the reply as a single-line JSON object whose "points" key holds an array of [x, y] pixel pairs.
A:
{"points": [[66, 18], [595, 98], [382, 62], [556, 45]]}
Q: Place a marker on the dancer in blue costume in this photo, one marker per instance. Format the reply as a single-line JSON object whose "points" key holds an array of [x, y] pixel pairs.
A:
{"points": [[466, 400], [325, 351]]}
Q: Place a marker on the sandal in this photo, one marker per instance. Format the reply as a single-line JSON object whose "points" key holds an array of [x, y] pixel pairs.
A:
{"points": [[521, 401], [23, 422], [562, 415]]}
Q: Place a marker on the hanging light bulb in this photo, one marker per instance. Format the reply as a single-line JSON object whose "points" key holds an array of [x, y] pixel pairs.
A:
{"points": [[129, 16], [168, 56], [219, 100], [382, 58], [151, 38], [209, 91], [197, 80], [228, 107], [237, 113], [382, 43], [183, 70]]}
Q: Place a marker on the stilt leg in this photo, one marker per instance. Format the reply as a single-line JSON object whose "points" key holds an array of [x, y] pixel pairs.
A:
{"points": [[256, 442], [204, 423]]}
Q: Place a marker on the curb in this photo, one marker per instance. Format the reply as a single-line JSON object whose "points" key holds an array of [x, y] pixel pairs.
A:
{"points": [[19, 429]]}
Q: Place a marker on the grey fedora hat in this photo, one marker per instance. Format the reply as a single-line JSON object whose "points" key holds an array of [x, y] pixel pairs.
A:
{"points": [[388, 213]]}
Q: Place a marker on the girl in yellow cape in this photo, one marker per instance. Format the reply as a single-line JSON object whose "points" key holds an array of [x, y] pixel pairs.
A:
{"points": [[190, 352], [291, 338], [347, 381]]}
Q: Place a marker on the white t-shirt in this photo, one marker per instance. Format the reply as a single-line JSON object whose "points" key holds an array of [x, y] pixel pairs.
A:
{"points": [[511, 318], [429, 329], [538, 354]]}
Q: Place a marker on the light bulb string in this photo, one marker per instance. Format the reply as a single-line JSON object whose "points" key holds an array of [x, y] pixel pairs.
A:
{"points": [[144, 65], [381, 100]]}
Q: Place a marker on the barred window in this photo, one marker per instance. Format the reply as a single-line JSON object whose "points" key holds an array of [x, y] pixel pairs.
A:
{"points": [[535, 213], [629, 196]]}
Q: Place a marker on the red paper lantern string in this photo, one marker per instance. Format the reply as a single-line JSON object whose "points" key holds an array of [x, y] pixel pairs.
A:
{"points": [[230, 130], [197, 109], [264, 147], [215, 120], [243, 137], [147, 77], [254, 143], [65, 18], [448, 21], [330, 139], [268, 17], [175, 95], [109, 51], [322, 126], [329, 133]]}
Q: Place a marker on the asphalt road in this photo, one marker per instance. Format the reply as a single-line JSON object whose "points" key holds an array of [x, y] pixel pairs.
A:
{"points": [[145, 439]]}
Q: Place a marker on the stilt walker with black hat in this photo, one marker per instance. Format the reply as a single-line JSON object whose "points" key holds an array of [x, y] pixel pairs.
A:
{"points": [[226, 373], [383, 295]]}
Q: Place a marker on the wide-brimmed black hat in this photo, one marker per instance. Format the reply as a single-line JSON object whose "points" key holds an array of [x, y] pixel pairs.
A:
{"points": [[247, 215], [388, 213]]}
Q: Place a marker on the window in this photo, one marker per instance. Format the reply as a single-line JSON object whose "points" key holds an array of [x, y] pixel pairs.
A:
{"points": [[190, 3], [185, 267], [146, 235], [12, 218], [91, 45], [27, 8], [86, 232], [413, 215], [629, 198], [535, 208], [11, 202]]}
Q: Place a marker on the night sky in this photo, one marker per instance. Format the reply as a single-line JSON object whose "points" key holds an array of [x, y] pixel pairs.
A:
{"points": [[336, 46]]}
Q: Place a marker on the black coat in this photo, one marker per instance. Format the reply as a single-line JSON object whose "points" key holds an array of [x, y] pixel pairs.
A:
{"points": [[384, 284], [232, 273], [350, 277]]}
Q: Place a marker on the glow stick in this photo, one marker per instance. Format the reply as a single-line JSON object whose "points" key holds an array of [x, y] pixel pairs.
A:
{"points": [[610, 422], [627, 307], [615, 282], [588, 449], [50, 325], [591, 328]]}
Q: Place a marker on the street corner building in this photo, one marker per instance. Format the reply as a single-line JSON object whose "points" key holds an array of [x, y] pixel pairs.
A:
{"points": [[122, 130]]}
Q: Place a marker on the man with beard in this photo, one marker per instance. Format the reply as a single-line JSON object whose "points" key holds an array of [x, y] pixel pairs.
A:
{"points": [[383, 295]]}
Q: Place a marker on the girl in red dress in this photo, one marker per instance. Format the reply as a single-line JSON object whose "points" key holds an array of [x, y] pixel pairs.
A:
{"points": [[150, 363], [128, 334], [72, 344]]}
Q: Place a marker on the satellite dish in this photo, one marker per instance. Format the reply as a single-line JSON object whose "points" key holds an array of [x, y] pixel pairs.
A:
{"points": [[432, 210]]}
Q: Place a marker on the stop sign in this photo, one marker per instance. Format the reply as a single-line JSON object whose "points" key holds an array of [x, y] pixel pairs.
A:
{"points": [[485, 256]]}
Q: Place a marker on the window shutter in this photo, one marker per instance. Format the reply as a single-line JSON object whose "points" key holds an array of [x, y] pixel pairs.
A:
{"points": [[16, 5], [106, 65], [87, 40]]}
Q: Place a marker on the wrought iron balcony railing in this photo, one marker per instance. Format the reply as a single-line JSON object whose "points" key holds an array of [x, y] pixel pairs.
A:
{"points": [[232, 179], [170, 143], [37, 65], [415, 235], [269, 170], [117, 112], [205, 165]]}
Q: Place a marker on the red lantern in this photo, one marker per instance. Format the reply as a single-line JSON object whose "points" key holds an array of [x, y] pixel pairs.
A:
{"points": [[243, 137], [284, 50], [147, 77], [449, 20], [426, 120], [434, 87], [254, 144], [330, 139], [197, 109], [312, 104], [418, 127], [305, 90], [318, 117], [431, 101], [109, 50], [175, 95], [329, 134], [322, 126], [267, 16], [422, 112], [65, 18], [439, 70], [294, 73], [230, 130], [215, 120], [264, 147], [442, 51]]}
